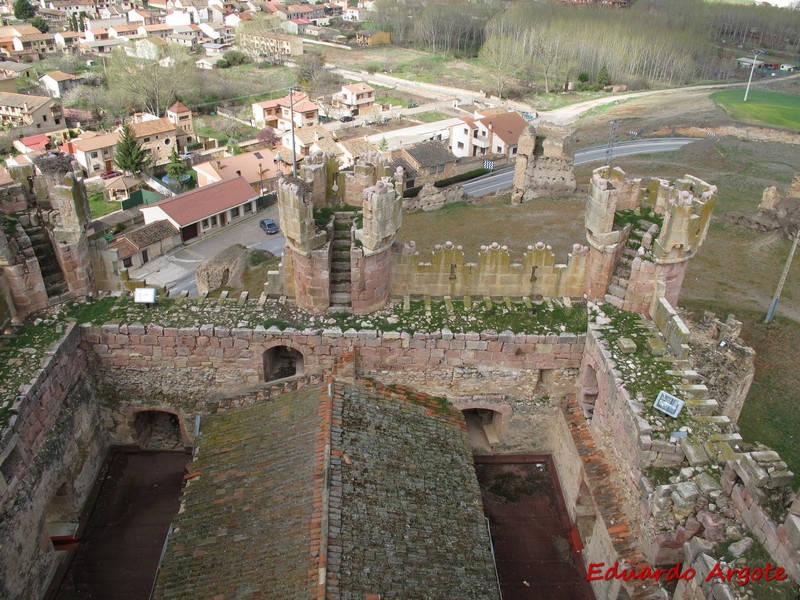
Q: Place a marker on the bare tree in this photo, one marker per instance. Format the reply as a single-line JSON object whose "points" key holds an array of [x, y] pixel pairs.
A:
{"points": [[504, 56]]}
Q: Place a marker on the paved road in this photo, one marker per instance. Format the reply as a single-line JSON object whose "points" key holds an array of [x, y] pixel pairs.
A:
{"points": [[177, 269], [503, 179]]}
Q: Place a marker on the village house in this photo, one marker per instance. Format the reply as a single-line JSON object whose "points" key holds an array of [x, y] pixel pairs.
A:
{"points": [[10, 69], [428, 162], [278, 113], [57, 83], [68, 40], [355, 98], [139, 246], [31, 112], [205, 210], [32, 144], [94, 152], [158, 30], [275, 47], [258, 168], [487, 134], [38, 44], [309, 140]]}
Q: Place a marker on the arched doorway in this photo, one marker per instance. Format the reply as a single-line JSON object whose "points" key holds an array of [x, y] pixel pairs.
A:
{"points": [[483, 428], [157, 430], [281, 362]]}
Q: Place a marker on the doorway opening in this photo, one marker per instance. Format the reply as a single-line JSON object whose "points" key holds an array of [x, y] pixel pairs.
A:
{"points": [[483, 428], [157, 430], [281, 362]]}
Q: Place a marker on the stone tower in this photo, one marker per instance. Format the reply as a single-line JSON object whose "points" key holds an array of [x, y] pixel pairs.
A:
{"points": [[544, 168], [628, 263], [306, 259], [371, 265]]}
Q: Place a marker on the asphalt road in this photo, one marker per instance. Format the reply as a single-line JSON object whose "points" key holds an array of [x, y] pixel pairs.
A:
{"points": [[177, 268], [503, 179]]}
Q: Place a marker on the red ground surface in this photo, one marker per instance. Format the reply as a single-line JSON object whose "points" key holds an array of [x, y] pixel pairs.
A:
{"points": [[530, 530]]}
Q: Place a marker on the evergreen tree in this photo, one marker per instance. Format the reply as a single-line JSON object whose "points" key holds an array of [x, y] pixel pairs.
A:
{"points": [[130, 156], [603, 78], [176, 168], [40, 24], [23, 10]]}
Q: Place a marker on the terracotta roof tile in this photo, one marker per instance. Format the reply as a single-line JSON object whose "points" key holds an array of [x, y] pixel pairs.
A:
{"points": [[196, 205], [153, 127], [131, 242]]}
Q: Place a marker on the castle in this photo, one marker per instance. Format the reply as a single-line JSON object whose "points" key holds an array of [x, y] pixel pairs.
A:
{"points": [[583, 396]]}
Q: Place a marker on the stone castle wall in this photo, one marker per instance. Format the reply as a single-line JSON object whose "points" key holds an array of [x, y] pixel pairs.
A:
{"points": [[53, 446], [370, 276], [446, 273]]}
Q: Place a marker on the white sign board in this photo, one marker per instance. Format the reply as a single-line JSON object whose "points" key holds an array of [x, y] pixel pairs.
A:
{"points": [[144, 295], [668, 404]]}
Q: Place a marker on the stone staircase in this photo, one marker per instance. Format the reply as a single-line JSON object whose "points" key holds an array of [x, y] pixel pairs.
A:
{"points": [[619, 281], [30, 237], [341, 282]]}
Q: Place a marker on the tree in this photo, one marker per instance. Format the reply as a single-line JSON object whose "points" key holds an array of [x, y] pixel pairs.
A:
{"points": [[23, 10], [235, 58], [233, 147], [310, 68], [176, 169], [268, 136], [130, 156], [503, 55], [603, 78], [383, 145], [40, 24]]}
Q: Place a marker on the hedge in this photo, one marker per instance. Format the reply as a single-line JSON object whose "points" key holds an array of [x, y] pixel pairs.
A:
{"points": [[412, 192], [463, 177]]}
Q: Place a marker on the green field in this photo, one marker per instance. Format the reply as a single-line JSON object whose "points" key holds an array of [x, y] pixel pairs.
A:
{"points": [[765, 108]]}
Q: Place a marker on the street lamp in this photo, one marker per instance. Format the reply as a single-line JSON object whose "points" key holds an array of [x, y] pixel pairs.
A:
{"points": [[756, 54]]}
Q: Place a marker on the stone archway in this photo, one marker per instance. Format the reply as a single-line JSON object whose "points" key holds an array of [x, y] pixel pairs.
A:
{"points": [[157, 430], [281, 362]]}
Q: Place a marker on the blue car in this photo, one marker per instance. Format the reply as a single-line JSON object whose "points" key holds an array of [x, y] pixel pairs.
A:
{"points": [[269, 226]]}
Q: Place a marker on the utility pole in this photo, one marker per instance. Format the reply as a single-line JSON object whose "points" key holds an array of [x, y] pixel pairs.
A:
{"points": [[612, 140], [782, 281], [294, 147], [756, 53]]}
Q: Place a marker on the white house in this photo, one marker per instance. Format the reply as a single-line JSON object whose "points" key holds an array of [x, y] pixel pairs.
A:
{"points": [[487, 134], [57, 83]]}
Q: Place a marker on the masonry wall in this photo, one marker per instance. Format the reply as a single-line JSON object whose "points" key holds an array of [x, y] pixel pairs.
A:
{"points": [[370, 275], [311, 278], [445, 272], [57, 438]]}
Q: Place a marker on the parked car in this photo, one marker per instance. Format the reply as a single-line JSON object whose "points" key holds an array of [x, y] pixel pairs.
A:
{"points": [[347, 119], [269, 226], [110, 174], [413, 104]]}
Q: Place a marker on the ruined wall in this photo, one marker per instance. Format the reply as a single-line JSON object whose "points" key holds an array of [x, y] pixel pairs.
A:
{"points": [[12, 198], [544, 167], [54, 444], [105, 264], [311, 278], [446, 272], [433, 198]]}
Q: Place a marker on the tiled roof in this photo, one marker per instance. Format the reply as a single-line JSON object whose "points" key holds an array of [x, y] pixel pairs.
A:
{"points": [[8, 65], [357, 88], [158, 27], [358, 146], [59, 76], [152, 127], [23, 100], [196, 205], [430, 154], [178, 108], [244, 529], [132, 241], [35, 141], [36, 37], [96, 142], [254, 166], [412, 523], [508, 127]]}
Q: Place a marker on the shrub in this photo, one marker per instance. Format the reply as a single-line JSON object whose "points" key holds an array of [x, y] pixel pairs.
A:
{"points": [[412, 192], [463, 177]]}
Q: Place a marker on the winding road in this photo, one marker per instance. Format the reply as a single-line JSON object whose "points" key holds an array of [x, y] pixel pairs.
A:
{"points": [[489, 184]]}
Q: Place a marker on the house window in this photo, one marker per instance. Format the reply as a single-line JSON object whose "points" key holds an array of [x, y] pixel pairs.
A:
{"points": [[247, 208], [127, 262], [44, 118], [460, 145], [167, 141], [514, 151], [94, 154], [432, 170], [214, 221], [205, 223], [147, 139], [440, 169], [475, 133], [499, 149], [234, 212]]}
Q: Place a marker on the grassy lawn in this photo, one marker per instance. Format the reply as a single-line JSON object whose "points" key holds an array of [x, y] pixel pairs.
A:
{"points": [[430, 116], [99, 206], [767, 108]]}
